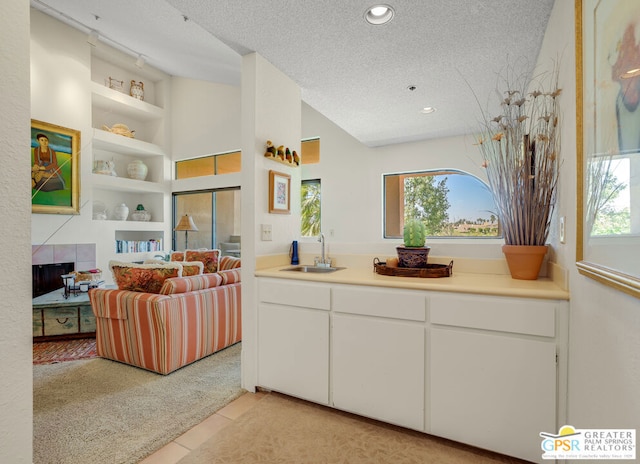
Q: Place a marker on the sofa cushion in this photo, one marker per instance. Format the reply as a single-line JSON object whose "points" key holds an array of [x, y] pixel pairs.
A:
{"points": [[148, 278], [188, 284], [230, 276], [229, 262], [208, 257]]}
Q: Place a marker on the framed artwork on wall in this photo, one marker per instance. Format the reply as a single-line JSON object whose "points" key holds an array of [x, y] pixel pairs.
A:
{"points": [[55, 169], [279, 193], [608, 142]]}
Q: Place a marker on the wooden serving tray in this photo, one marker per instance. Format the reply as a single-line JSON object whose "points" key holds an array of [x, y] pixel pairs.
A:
{"points": [[431, 271]]}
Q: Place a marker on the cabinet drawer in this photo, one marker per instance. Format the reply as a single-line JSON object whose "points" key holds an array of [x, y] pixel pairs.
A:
{"points": [[370, 301], [515, 315], [286, 292], [60, 321], [87, 320], [37, 323]]}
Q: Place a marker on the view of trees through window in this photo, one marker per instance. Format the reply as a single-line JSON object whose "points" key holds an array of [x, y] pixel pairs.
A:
{"points": [[450, 203], [310, 197]]}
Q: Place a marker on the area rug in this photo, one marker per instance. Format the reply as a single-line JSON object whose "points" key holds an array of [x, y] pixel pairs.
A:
{"points": [[102, 411], [64, 350], [284, 430]]}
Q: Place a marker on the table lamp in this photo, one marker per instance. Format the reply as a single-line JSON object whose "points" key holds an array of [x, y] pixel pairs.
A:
{"points": [[186, 223]]}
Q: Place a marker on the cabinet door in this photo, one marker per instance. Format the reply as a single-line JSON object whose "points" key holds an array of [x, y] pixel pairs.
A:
{"points": [[496, 392], [378, 369], [293, 351]]}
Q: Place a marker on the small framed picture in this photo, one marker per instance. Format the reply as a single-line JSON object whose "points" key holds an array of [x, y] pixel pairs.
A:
{"points": [[55, 169], [279, 193]]}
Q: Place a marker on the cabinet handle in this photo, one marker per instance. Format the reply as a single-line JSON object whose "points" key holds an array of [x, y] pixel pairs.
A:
{"points": [[63, 322]]}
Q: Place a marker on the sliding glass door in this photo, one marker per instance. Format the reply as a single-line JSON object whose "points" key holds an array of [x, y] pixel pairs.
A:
{"points": [[215, 213]]}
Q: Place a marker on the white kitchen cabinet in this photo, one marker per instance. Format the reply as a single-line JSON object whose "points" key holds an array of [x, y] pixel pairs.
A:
{"points": [[378, 354], [488, 371], [293, 339], [493, 372]]}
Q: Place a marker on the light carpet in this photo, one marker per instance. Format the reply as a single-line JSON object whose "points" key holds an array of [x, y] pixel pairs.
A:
{"points": [[102, 411], [284, 430]]}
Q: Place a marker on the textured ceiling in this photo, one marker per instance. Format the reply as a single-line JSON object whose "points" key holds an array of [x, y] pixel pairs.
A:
{"points": [[354, 73]]}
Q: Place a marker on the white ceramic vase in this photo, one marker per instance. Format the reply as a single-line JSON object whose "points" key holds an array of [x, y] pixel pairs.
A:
{"points": [[121, 212], [137, 170]]}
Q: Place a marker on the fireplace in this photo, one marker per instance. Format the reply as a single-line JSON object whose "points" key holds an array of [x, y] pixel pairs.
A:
{"points": [[46, 277], [49, 262]]}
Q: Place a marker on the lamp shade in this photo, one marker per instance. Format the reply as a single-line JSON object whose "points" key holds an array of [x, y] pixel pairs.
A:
{"points": [[186, 223]]}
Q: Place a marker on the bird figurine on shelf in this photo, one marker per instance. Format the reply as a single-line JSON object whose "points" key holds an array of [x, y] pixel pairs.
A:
{"points": [[287, 155], [280, 152], [296, 158], [271, 150]]}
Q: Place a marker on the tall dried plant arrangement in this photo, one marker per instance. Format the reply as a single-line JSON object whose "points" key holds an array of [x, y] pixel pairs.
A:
{"points": [[520, 149]]}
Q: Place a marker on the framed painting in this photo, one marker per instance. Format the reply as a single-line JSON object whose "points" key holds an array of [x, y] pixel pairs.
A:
{"points": [[55, 169], [608, 142], [279, 193]]}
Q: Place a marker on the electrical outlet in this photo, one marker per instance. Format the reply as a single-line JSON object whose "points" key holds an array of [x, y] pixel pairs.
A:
{"points": [[266, 232], [562, 229]]}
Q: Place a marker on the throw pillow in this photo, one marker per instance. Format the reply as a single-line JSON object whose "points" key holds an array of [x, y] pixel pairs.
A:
{"points": [[147, 278], [191, 268], [208, 257], [177, 256]]}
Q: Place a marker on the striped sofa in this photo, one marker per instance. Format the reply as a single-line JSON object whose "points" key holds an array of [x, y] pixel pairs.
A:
{"points": [[192, 317]]}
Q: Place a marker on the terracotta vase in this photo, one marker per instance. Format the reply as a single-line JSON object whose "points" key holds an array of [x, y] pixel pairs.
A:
{"points": [[524, 261]]}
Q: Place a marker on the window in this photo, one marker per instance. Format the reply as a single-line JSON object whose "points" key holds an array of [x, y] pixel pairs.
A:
{"points": [[310, 197], [216, 214], [451, 203], [310, 151], [223, 163]]}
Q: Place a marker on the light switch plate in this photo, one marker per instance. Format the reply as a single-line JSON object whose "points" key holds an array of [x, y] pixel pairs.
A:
{"points": [[266, 232]]}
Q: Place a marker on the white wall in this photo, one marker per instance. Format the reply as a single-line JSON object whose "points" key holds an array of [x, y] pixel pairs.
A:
{"points": [[352, 194], [15, 209], [604, 350], [271, 108], [206, 118]]}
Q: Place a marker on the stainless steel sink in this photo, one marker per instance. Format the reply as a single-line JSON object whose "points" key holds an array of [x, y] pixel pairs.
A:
{"points": [[317, 269]]}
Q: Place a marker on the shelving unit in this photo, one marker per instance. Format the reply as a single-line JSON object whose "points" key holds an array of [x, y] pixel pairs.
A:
{"points": [[148, 119]]}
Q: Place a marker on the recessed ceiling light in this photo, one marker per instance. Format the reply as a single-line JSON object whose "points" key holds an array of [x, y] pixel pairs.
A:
{"points": [[428, 110], [379, 14]]}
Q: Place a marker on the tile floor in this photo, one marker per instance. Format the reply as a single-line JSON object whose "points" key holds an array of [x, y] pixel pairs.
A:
{"points": [[190, 440]]}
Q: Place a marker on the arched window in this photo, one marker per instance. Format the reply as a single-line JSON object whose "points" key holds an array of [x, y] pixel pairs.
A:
{"points": [[450, 202]]}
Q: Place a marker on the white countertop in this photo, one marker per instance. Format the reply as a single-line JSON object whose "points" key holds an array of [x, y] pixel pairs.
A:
{"points": [[459, 282]]}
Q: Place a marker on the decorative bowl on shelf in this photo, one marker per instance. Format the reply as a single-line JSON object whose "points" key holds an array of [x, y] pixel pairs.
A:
{"points": [[141, 215], [99, 211]]}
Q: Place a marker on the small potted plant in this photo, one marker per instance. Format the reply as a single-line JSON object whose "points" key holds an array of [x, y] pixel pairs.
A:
{"points": [[414, 253]]}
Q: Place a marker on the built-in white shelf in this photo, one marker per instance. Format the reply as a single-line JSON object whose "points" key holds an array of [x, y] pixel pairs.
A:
{"points": [[108, 99], [123, 184], [108, 141]]}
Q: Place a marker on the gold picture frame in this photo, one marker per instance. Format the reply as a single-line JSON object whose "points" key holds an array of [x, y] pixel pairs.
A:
{"points": [[279, 193], [55, 169], [605, 143]]}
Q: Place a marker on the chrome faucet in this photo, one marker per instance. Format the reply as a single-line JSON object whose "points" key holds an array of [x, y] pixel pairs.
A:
{"points": [[324, 262]]}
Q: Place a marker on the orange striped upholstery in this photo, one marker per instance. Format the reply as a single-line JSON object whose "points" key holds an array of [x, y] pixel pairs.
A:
{"points": [[188, 284], [229, 262], [162, 333], [230, 276]]}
